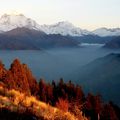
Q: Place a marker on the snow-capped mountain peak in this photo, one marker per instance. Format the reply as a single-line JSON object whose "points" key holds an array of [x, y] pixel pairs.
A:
{"points": [[64, 28], [9, 22], [107, 32], [64, 24], [12, 21]]}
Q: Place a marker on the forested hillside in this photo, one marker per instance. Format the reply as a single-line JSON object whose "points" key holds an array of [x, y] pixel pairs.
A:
{"points": [[22, 97]]}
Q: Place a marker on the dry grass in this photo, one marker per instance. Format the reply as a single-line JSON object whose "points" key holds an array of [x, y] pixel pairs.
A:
{"points": [[19, 102], [63, 105]]}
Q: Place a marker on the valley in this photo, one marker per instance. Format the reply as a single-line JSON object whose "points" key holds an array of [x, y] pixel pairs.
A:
{"points": [[68, 63]]}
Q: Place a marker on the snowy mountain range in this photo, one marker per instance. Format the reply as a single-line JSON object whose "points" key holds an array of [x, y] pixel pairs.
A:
{"points": [[9, 22], [64, 28], [103, 32]]}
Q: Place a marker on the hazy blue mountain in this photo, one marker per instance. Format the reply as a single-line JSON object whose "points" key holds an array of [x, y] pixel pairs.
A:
{"points": [[94, 39], [114, 43], [101, 76]]}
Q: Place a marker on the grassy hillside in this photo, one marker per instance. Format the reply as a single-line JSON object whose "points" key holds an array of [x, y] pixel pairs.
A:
{"points": [[16, 102]]}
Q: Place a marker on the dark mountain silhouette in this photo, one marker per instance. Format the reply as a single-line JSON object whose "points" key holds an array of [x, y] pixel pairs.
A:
{"points": [[94, 39], [113, 44], [30, 39], [101, 76], [24, 38]]}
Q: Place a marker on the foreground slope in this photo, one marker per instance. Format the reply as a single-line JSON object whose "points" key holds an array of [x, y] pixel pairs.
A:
{"points": [[24, 107], [20, 97]]}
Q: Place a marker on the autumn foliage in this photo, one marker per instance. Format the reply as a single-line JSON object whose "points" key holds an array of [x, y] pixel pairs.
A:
{"points": [[65, 96], [19, 77]]}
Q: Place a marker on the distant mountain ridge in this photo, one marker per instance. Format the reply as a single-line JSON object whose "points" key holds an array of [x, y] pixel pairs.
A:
{"points": [[17, 32], [9, 22], [30, 39], [101, 72], [113, 44]]}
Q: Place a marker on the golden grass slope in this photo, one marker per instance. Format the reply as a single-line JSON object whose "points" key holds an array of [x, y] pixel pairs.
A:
{"points": [[18, 102]]}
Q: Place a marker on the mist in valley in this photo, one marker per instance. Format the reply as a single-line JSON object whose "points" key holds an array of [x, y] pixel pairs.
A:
{"points": [[52, 64], [55, 63]]}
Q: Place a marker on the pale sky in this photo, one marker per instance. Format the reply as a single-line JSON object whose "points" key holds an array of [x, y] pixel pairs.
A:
{"points": [[86, 14]]}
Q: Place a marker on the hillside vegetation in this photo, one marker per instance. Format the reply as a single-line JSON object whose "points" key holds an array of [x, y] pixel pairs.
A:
{"points": [[22, 98], [17, 102]]}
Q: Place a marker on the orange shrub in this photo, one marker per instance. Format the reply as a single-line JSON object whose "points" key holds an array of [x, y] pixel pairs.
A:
{"points": [[62, 104]]}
